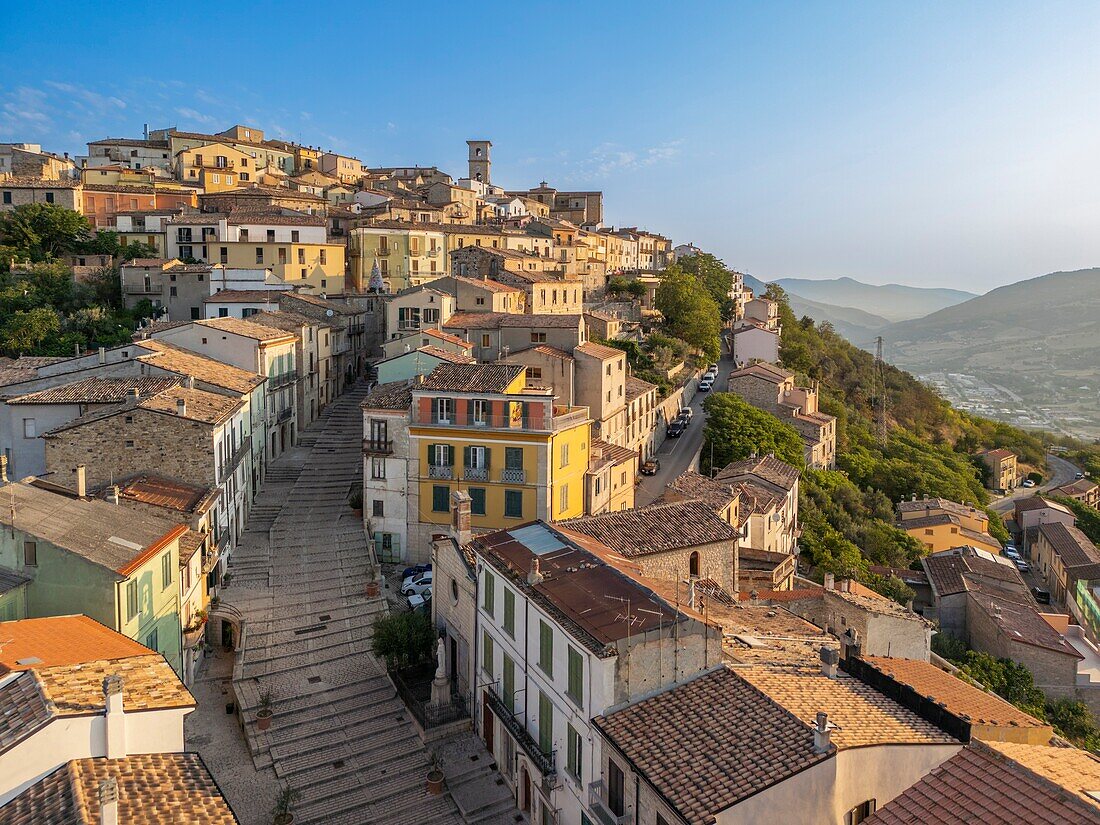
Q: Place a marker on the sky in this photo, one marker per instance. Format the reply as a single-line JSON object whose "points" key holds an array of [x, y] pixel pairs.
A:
{"points": [[932, 144]]}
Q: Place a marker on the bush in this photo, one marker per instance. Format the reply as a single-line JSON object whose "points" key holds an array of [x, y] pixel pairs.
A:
{"points": [[735, 430], [403, 639]]}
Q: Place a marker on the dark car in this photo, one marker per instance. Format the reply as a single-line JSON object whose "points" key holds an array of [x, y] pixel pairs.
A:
{"points": [[416, 568], [650, 468], [1041, 596], [676, 429]]}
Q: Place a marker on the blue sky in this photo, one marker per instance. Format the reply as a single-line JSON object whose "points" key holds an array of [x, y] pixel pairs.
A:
{"points": [[931, 144]]}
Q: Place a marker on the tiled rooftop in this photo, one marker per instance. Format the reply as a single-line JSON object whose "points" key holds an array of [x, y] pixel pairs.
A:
{"points": [[246, 329], [767, 467], [948, 571], [97, 390], [153, 789], [24, 709], [1020, 622], [769, 372], [199, 405], [600, 351], [471, 377], [713, 493], [148, 683], [1071, 545], [62, 640], [184, 362], [928, 504], [710, 743], [498, 320], [396, 395], [653, 529], [164, 492]]}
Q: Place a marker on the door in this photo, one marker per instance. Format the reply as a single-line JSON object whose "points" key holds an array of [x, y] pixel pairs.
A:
{"points": [[454, 664], [525, 792], [487, 723]]}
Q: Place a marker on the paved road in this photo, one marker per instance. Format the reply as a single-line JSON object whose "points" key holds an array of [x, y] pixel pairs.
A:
{"points": [[679, 454], [1060, 471]]}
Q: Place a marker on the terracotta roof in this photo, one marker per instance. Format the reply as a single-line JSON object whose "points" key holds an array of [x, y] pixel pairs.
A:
{"points": [[148, 263], [756, 499], [1076, 488], [948, 571], [653, 529], [769, 372], [600, 351], [546, 349], [447, 355], [1021, 623], [113, 538], [767, 467], [24, 182], [984, 783], [617, 454], [337, 307], [941, 519], [861, 714], [62, 640], [97, 390], [255, 190], [164, 492], [471, 377], [1071, 545], [956, 696], [999, 454], [246, 329], [710, 743], [153, 789], [175, 359], [148, 683], [396, 395], [636, 388], [445, 336], [24, 710], [714, 494], [927, 504], [498, 320], [490, 286], [199, 405], [1026, 505]]}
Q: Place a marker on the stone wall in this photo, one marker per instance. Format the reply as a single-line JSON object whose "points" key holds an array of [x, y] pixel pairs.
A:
{"points": [[717, 561]]}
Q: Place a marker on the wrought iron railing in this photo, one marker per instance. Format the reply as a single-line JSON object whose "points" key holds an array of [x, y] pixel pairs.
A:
{"points": [[441, 471], [513, 475], [543, 761], [475, 473], [414, 686]]}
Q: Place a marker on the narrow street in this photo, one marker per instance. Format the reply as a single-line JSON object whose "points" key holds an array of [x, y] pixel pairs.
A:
{"points": [[1059, 471], [339, 735]]}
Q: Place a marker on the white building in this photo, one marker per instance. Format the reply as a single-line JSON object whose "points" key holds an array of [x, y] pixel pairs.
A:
{"points": [[753, 341]]}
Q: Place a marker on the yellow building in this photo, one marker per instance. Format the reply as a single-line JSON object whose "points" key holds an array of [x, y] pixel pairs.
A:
{"points": [[408, 254], [1003, 472], [939, 524], [215, 167], [481, 429]]}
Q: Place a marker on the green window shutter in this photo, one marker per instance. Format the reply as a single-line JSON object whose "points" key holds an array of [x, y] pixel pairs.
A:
{"points": [[546, 724], [576, 677], [509, 683], [573, 751], [477, 501], [546, 648], [490, 586], [488, 453], [450, 455], [487, 652], [466, 456], [431, 455], [510, 613]]}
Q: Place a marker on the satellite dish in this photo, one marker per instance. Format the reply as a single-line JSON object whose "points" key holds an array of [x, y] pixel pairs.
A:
{"points": [[328, 313]]}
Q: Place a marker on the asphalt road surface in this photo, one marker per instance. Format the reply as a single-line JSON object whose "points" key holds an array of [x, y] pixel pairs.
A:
{"points": [[1060, 471]]}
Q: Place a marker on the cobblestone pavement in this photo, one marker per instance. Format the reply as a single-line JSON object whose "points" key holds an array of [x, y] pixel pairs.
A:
{"points": [[339, 735]]}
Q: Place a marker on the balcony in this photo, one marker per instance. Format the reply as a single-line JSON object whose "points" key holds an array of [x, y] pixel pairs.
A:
{"points": [[357, 329], [282, 379], [409, 325], [143, 289], [544, 762], [377, 446], [383, 252], [562, 419], [441, 471], [432, 253], [284, 415], [513, 475], [475, 473], [597, 803]]}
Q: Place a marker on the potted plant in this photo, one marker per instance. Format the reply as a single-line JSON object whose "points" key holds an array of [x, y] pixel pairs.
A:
{"points": [[192, 634], [287, 797], [435, 778], [263, 715], [356, 502]]}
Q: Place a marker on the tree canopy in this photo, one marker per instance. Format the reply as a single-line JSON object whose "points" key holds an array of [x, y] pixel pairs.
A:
{"points": [[689, 310], [735, 429]]}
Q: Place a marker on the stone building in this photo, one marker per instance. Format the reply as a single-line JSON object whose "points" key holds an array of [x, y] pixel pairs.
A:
{"points": [[1003, 473], [18, 191]]}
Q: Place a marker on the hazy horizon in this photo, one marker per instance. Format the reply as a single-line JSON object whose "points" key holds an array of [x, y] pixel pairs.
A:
{"points": [[925, 145]]}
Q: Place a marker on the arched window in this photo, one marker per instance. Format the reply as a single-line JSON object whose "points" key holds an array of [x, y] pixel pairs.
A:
{"points": [[693, 565]]}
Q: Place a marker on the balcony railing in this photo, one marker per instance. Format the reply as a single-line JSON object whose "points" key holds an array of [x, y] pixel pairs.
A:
{"points": [[513, 475], [475, 473], [441, 471], [597, 803], [563, 418], [142, 289], [378, 446], [357, 329], [285, 414], [544, 762], [282, 379], [409, 324], [383, 251]]}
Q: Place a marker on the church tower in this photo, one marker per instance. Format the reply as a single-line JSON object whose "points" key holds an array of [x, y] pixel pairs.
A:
{"points": [[479, 160]]}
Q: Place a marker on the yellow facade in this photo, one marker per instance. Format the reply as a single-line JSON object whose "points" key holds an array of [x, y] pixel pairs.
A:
{"points": [[216, 167], [940, 537], [313, 265], [406, 256]]}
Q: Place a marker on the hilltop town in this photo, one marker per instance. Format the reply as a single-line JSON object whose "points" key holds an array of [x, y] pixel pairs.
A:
{"points": [[345, 493]]}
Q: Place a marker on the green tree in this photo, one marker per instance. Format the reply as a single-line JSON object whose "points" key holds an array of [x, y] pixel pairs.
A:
{"points": [[403, 638], [635, 289], [735, 430], [714, 275], [43, 231], [690, 312], [23, 332], [617, 285]]}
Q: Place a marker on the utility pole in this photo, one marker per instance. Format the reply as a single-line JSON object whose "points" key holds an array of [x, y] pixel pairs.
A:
{"points": [[879, 386]]}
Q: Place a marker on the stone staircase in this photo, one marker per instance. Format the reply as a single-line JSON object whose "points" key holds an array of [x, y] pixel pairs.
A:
{"points": [[339, 734]]}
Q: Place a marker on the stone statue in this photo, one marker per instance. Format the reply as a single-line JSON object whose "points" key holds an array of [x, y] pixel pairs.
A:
{"points": [[440, 660]]}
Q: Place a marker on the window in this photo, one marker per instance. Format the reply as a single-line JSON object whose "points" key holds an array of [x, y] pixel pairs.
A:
{"points": [[477, 501], [488, 601], [479, 411], [534, 372], [564, 455], [165, 570], [223, 254], [172, 292], [509, 612], [259, 254], [575, 689], [29, 430], [223, 312], [131, 599], [271, 236], [487, 652], [49, 197], [244, 234], [30, 553], [693, 565], [7, 197], [151, 640], [615, 787], [546, 648], [513, 504], [324, 257], [444, 410], [546, 724], [441, 498], [538, 337], [485, 339], [377, 508], [563, 498], [377, 467], [509, 685], [860, 812], [476, 458], [573, 752], [294, 235]]}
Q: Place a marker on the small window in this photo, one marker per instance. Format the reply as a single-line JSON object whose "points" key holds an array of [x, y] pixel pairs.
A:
{"points": [[509, 612], [513, 504], [563, 498], [129, 444], [693, 565], [49, 197], [538, 337], [488, 602], [564, 455], [534, 373], [573, 752], [7, 197], [29, 430], [441, 498], [377, 508], [487, 652], [30, 553], [131, 599], [454, 591], [477, 501], [861, 812]]}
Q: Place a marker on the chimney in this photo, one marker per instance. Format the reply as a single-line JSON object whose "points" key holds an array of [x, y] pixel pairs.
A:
{"points": [[189, 382], [102, 355], [850, 646], [114, 494], [829, 660], [829, 581], [133, 394], [115, 718], [181, 406], [535, 576], [108, 801], [821, 733], [461, 531], [81, 480]]}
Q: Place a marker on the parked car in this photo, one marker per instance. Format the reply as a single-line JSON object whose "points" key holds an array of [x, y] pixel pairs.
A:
{"points": [[1029, 482], [416, 569], [1041, 596], [417, 584], [1022, 566], [676, 429], [686, 414], [650, 467], [1012, 554], [421, 601], [1079, 475], [706, 384]]}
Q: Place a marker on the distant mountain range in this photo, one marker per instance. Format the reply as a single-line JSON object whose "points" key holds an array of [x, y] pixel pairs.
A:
{"points": [[893, 302]]}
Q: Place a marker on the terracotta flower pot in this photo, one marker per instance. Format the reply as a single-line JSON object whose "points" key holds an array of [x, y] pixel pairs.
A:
{"points": [[435, 782], [284, 819], [372, 589], [263, 719]]}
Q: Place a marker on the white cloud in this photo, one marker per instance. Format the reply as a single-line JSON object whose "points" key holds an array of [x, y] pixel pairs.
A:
{"points": [[197, 117], [609, 158]]}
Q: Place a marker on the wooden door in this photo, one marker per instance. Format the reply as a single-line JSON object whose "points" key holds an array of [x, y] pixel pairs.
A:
{"points": [[487, 720]]}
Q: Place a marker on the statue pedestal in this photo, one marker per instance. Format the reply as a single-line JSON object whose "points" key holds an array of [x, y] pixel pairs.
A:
{"points": [[441, 690]]}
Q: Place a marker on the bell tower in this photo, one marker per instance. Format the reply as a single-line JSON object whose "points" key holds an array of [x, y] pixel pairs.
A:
{"points": [[479, 160]]}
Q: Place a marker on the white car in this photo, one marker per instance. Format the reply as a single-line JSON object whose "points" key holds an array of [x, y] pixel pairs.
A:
{"points": [[1022, 566], [419, 599], [418, 584], [706, 384], [1029, 483]]}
